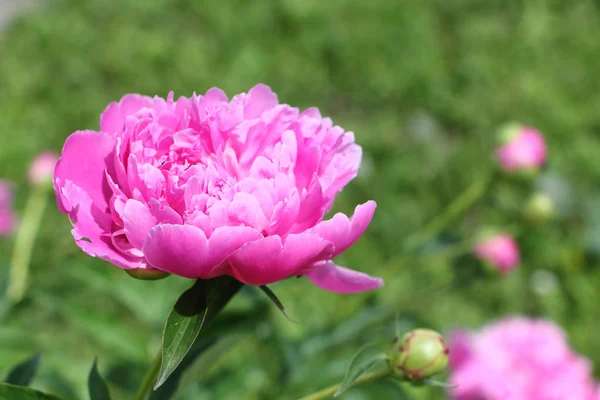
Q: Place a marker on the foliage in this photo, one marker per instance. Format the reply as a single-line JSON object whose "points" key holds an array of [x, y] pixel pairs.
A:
{"points": [[423, 84]]}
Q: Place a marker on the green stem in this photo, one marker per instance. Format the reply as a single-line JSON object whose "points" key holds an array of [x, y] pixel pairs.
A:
{"points": [[462, 203], [28, 229], [330, 391], [149, 379]]}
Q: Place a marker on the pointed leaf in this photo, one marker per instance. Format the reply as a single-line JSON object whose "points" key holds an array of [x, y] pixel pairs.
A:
{"points": [[363, 361], [275, 300], [196, 306], [168, 389], [96, 385], [207, 359], [12, 392], [23, 373]]}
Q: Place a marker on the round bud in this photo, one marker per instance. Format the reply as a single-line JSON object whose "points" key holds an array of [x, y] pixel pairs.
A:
{"points": [[540, 207], [419, 354], [147, 274], [41, 169]]}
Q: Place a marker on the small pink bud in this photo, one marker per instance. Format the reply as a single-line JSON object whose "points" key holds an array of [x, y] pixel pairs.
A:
{"points": [[499, 251], [523, 148], [41, 170], [8, 219]]}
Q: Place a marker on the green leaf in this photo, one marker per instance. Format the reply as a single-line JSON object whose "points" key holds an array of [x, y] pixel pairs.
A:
{"points": [[207, 360], [275, 300], [197, 306], [12, 392], [363, 361], [168, 389], [96, 385], [23, 373], [433, 382]]}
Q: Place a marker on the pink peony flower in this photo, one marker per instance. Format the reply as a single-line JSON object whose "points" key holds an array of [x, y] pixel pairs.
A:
{"points": [[203, 186], [500, 251], [518, 359], [525, 149], [8, 220], [42, 168]]}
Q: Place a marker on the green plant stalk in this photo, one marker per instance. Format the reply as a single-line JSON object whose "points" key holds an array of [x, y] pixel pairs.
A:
{"points": [[366, 378], [149, 378], [24, 243], [462, 203]]}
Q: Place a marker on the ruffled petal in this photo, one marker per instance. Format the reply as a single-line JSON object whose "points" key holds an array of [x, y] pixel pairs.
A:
{"points": [[343, 232], [269, 260], [86, 156], [113, 117], [88, 227], [137, 222], [178, 249], [260, 99], [184, 249], [338, 279]]}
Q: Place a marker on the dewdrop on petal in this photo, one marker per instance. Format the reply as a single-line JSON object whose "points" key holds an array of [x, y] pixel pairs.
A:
{"points": [[419, 354]]}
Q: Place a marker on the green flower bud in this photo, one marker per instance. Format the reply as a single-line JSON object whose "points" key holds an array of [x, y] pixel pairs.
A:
{"points": [[540, 207], [147, 274], [419, 354]]}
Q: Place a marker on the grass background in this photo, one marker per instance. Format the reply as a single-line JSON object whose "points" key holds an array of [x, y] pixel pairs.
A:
{"points": [[423, 84]]}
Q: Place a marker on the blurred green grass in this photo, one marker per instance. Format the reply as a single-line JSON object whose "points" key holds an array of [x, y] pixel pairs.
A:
{"points": [[423, 84]]}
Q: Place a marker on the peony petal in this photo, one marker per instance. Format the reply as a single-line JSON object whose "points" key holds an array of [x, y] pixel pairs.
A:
{"points": [[113, 117], [137, 221], [86, 156], [260, 98], [246, 209], [338, 279], [268, 260], [88, 232], [224, 241], [343, 232], [178, 249]]}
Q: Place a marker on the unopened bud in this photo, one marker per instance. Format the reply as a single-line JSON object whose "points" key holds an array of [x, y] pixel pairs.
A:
{"points": [[419, 354], [41, 170], [540, 207], [522, 150], [147, 274]]}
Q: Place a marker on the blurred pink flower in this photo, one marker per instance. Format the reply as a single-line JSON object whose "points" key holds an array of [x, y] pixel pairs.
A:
{"points": [[500, 251], [41, 169], [8, 219], [204, 186], [518, 359], [525, 149]]}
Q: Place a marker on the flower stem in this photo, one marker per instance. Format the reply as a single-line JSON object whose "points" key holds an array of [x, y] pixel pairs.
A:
{"points": [[149, 378], [462, 203], [28, 229], [330, 391]]}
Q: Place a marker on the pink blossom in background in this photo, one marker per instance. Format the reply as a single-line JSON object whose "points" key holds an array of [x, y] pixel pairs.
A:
{"points": [[518, 359], [41, 169], [526, 149], [500, 251], [206, 186], [8, 219]]}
